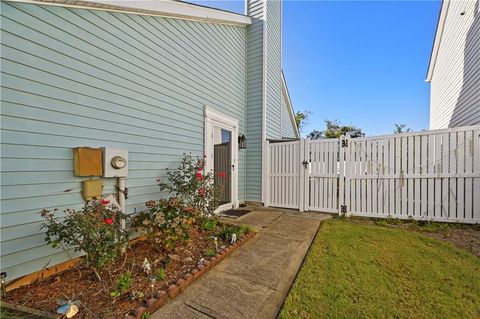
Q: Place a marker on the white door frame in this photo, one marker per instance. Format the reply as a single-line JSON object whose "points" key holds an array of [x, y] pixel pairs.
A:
{"points": [[216, 118]]}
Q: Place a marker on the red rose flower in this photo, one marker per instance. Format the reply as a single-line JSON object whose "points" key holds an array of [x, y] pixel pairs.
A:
{"points": [[199, 176], [105, 202], [108, 221], [221, 174]]}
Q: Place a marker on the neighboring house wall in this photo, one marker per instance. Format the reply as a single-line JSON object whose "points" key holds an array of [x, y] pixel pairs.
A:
{"points": [[455, 66], [288, 126], [288, 130], [76, 77]]}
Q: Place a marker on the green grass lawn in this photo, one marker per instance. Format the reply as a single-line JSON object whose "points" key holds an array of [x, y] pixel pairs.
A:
{"points": [[360, 270]]}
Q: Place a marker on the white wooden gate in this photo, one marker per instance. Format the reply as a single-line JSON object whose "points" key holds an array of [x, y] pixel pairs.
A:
{"points": [[323, 175], [431, 175], [284, 168]]}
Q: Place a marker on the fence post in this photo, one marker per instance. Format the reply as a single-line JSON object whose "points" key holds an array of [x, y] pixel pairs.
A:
{"points": [[341, 174], [346, 146], [304, 174], [301, 182], [266, 174]]}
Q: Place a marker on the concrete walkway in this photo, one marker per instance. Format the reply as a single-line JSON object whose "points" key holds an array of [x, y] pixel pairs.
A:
{"points": [[254, 281]]}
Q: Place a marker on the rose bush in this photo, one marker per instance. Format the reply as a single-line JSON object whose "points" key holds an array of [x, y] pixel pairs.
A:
{"points": [[194, 186], [96, 230]]}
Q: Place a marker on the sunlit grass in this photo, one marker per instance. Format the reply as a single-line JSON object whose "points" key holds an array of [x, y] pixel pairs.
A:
{"points": [[356, 270]]}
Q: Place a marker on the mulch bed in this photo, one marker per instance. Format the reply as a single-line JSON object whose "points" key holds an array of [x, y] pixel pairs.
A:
{"points": [[95, 301]]}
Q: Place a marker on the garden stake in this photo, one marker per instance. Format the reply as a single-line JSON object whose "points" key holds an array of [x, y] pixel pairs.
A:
{"points": [[152, 279], [3, 275]]}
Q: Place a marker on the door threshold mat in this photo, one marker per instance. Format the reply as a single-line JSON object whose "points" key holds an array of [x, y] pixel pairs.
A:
{"points": [[235, 213]]}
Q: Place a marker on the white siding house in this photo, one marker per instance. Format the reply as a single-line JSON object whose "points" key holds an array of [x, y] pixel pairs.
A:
{"points": [[146, 76], [454, 70]]}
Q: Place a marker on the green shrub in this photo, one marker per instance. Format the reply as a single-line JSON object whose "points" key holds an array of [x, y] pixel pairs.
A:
{"points": [[208, 224], [166, 223]]}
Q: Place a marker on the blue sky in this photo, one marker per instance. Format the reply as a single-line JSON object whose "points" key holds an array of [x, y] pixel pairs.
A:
{"points": [[359, 62]]}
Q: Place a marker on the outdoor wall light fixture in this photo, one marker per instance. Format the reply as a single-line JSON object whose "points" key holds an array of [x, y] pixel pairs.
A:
{"points": [[242, 141]]}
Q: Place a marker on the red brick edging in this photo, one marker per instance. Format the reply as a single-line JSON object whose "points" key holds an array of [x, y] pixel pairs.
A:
{"points": [[163, 296]]}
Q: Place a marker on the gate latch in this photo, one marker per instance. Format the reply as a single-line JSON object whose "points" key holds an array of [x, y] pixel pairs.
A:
{"points": [[305, 164]]}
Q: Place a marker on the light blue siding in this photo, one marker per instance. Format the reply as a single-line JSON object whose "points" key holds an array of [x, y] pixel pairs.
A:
{"points": [[255, 8], [274, 70], [77, 77]]}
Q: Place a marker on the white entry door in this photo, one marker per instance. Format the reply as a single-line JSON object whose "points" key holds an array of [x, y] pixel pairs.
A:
{"points": [[221, 150]]}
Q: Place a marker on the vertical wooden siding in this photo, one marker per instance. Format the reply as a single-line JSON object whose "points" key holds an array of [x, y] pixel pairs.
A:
{"points": [[77, 77]]}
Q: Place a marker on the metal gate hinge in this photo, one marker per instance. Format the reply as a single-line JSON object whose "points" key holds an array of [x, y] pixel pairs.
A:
{"points": [[344, 143], [343, 209]]}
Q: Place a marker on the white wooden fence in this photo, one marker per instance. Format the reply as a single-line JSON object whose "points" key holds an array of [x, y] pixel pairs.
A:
{"points": [[431, 175]]}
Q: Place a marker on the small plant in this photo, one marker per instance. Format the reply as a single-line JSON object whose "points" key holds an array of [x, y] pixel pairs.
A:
{"points": [[160, 274], [226, 231], [210, 252], [243, 230], [208, 224], [165, 223], [123, 284], [193, 185], [430, 226], [146, 315], [96, 230]]}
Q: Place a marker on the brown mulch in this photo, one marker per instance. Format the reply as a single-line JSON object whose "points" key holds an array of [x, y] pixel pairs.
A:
{"points": [[95, 301]]}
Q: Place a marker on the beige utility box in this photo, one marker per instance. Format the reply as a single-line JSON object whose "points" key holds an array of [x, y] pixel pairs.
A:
{"points": [[92, 189]]}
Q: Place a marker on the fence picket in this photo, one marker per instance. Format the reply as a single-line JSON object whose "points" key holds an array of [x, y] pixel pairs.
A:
{"points": [[460, 170], [410, 170], [430, 163], [469, 151], [476, 181], [391, 172], [418, 172], [438, 180], [452, 210], [445, 170], [368, 180]]}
